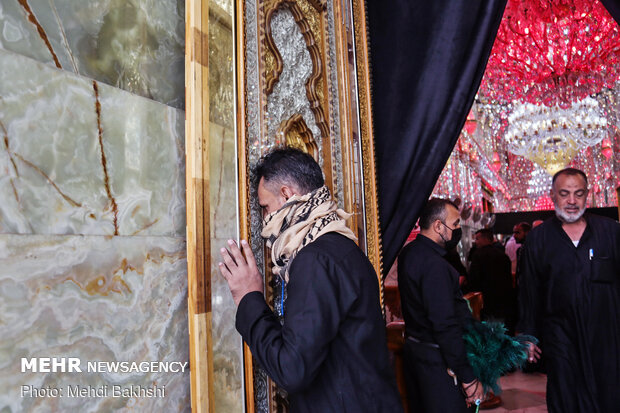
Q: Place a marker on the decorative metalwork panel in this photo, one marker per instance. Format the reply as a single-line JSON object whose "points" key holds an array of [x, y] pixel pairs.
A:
{"points": [[299, 89], [288, 96]]}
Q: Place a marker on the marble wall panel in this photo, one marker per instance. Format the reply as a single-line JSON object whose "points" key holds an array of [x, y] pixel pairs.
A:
{"points": [[228, 373], [227, 343], [80, 157], [221, 70], [99, 299], [135, 45], [92, 199]]}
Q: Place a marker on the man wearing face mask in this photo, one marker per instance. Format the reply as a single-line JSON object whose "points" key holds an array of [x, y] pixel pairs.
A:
{"points": [[330, 352], [439, 377]]}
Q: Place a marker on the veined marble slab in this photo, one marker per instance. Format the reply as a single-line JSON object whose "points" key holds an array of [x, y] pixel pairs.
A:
{"points": [[135, 45], [227, 343], [98, 299], [80, 157]]}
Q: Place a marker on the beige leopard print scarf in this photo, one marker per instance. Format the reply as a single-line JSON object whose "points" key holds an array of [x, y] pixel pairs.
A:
{"points": [[300, 221]]}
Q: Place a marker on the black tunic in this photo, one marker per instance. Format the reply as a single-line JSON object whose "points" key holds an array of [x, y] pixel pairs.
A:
{"points": [[572, 302], [435, 314], [331, 352], [489, 273]]}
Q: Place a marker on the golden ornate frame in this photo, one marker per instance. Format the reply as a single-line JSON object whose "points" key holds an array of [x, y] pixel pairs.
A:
{"points": [[197, 204], [310, 17], [355, 123], [357, 148], [297, 135]]}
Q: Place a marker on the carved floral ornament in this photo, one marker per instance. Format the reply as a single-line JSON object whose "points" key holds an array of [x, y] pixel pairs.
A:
{"points": [[295, 133], [310, 16]]}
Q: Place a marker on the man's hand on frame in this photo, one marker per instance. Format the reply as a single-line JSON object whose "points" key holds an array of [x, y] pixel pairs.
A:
{"points": [[240, 272]]}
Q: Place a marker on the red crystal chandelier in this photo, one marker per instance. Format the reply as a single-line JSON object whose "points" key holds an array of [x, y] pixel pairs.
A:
{"points": [[552, 52]]}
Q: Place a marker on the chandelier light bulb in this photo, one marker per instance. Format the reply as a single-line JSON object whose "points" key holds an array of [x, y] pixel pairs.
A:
{"points": [[606, 148], [496, 164], [550, 136]]}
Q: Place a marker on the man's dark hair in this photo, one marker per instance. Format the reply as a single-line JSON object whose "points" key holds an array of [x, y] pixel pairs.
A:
{"points": [[435, 209], [289, 166], [486, 233], [569, 172], [526, 227]]}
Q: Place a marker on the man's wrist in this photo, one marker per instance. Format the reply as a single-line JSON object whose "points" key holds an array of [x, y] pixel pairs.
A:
{"points": [[244, 294]]}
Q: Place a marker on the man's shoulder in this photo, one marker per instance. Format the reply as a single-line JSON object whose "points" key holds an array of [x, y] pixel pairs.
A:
{"points": [[538, 232], [330, 239], [414, 247], [489, 251], [420, 257], [335, 252], [333, 246], [602, 221]]}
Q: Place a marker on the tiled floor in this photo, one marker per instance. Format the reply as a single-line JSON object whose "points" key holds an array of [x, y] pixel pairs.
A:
{"points": [[522, 393]]}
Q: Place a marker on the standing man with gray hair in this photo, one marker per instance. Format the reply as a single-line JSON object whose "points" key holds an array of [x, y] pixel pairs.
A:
{"points": [[330, 352], [569, 297]]}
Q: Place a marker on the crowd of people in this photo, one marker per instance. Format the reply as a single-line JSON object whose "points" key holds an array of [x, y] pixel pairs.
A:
{"points": [[557, 280]]}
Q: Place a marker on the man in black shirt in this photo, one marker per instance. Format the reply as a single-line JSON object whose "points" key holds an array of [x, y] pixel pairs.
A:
{"points": [[330, 353], [439, 377], [489, 273], [519, 232], [569, 297]]}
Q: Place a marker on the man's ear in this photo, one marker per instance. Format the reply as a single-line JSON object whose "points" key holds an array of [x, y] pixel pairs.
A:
{"points": [[286, 191], [437, 226]]}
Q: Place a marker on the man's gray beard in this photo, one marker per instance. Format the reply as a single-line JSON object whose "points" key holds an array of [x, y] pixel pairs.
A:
{"points": [[568, 218]]}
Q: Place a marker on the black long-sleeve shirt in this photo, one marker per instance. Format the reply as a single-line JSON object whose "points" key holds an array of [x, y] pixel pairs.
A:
{"points": [[433, 307], [331, 352], [490, 274], [570, 297]]}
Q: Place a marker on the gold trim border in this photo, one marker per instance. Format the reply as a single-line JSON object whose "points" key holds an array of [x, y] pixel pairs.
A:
{"points": [[243, 176], [373, 234], [197, 204], [371, 218]]}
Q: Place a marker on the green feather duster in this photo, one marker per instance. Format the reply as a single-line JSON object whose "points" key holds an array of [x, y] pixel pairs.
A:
{"points": [[492, 352]]}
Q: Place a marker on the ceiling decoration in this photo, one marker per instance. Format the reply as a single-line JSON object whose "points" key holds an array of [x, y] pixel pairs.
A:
{"points": [[553, 53], [549, 99], [551, 136]]}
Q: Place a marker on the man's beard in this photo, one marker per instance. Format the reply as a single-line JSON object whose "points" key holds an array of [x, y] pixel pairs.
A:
{"points": [[566, 217]]}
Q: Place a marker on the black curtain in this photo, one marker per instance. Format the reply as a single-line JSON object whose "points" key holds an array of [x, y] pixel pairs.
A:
{"points": [[427, 59], [613, 7]]}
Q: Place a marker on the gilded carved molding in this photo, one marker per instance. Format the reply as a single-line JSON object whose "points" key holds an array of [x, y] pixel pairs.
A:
{"points": [[326, 125], [374, 250], [310, 16], [295, 134]]}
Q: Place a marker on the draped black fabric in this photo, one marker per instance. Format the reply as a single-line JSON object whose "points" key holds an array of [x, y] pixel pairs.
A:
{"points": [[613, 7], [427, 59]]}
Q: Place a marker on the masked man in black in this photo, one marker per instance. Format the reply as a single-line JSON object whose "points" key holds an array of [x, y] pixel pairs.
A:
{"points": [[569, 296], [330, 353], [439, 377]]}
